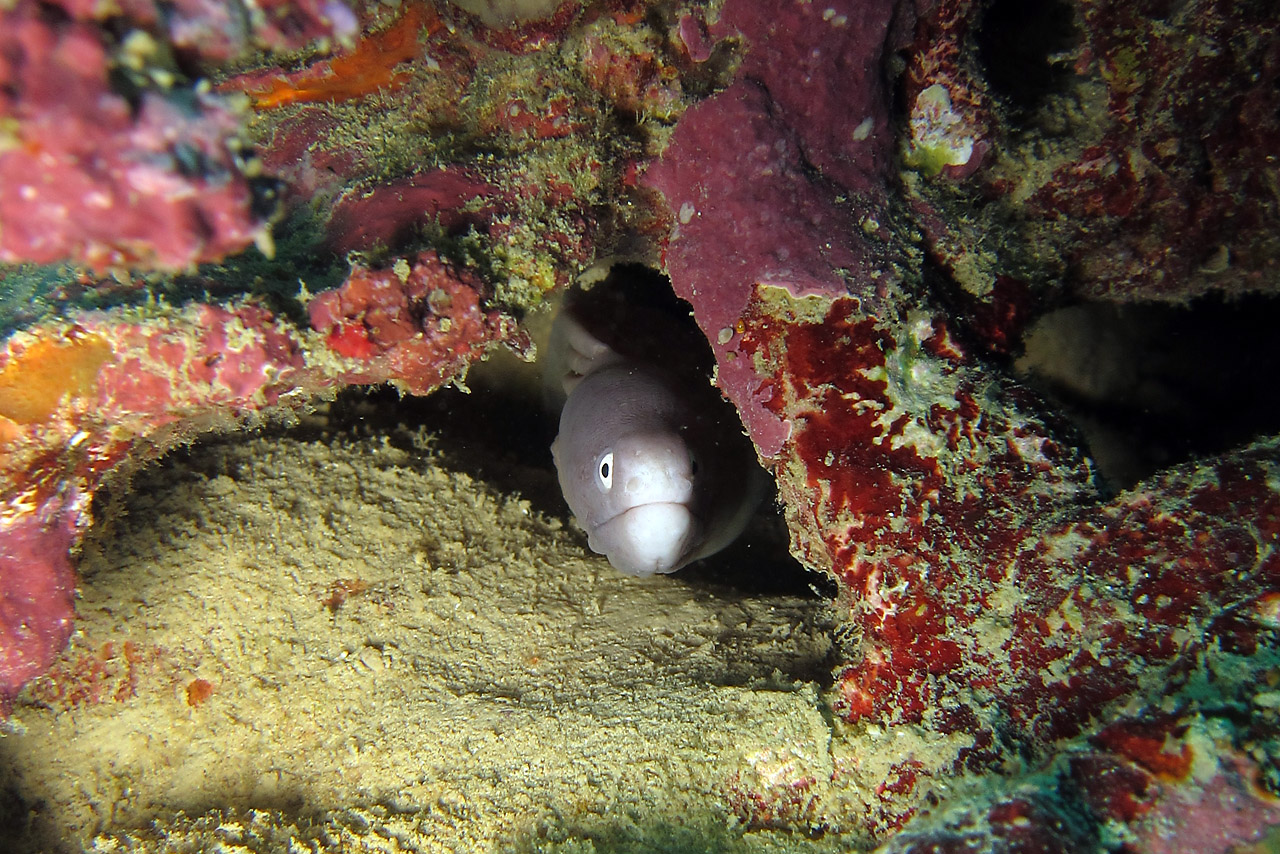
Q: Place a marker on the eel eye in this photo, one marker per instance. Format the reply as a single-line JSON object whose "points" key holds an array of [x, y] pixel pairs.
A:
{"points": [[606, 470]]}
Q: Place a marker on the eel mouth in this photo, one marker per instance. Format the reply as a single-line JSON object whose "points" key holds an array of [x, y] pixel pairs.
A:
{"points": [[647, 539]]}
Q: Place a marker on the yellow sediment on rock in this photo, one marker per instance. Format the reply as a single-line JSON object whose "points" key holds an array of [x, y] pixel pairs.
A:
{"points": [[368, 638]]}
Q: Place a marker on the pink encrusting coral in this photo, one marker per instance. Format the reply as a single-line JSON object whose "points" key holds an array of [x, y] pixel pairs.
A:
{"points": [[992, 591], [419, 325], [389, 214], [37, 591], [738, 176], [155, 177], [106, 178], [1130, 163], [81, 396], [1170, 783], [1096, 659], [108, 158]]}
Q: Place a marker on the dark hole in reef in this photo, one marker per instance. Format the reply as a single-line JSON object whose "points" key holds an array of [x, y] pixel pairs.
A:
{"points": [[496, 439], [498, 431], [1018, 44], [18, 815], [1152, 385]]}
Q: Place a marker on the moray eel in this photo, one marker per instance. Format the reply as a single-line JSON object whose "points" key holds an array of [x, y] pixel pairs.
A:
{"points": [[653, 464]]}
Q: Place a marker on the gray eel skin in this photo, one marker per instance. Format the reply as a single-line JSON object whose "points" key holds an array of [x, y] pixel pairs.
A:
{"points": [[653, 465]]}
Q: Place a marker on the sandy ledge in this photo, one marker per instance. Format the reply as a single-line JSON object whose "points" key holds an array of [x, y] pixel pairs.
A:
{"points": [[348, 645]]}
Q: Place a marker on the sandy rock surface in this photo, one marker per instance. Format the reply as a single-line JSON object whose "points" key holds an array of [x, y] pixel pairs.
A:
{"points": [[347, 644]]}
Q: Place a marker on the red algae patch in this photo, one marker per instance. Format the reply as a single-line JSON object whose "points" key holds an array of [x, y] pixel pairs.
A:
{"points": [[198, 691]]}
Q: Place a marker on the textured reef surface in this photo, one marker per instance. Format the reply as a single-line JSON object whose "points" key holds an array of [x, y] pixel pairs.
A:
{"points": [[214, 213]]}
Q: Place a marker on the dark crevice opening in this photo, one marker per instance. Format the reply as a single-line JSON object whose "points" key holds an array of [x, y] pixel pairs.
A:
{"points": [[503, 436], [1020, 46], [1153, 385]]}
